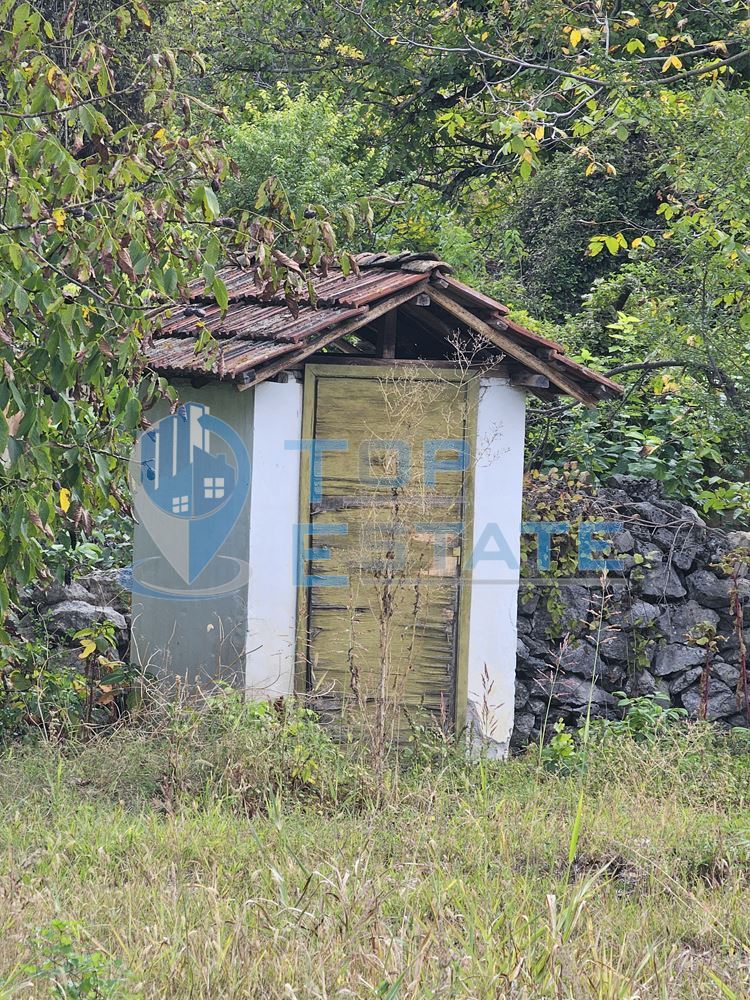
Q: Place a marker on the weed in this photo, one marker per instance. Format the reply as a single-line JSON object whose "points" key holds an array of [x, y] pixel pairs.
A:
{"points": [[232, 849], [63, 971]]}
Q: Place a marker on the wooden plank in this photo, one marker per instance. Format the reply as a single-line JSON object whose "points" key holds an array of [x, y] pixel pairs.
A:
{"points": [[511, 348], [300, 354], [387, 334], [472, 295], [367, 359], [345, 347], [529, 379]]}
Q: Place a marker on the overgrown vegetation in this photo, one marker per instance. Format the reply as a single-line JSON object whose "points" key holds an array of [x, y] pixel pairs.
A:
{"points": [[237, 851], [588, 166]]}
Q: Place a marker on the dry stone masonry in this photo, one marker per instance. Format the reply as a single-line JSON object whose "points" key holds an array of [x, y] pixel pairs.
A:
{"points": [[669, 625], [64, 608]]}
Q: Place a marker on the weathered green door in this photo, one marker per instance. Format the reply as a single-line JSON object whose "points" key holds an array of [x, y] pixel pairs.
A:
{"points": [[380, 621]]}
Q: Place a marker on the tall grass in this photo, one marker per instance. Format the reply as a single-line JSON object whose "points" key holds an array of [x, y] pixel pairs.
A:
{"points": [[238, 852]]}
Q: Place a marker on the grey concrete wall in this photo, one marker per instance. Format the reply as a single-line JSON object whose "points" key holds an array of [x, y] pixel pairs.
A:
{"points": [[200, 640]]}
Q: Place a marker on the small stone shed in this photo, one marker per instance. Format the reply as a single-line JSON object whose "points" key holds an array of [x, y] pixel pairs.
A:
{"points": [[413, 387]]}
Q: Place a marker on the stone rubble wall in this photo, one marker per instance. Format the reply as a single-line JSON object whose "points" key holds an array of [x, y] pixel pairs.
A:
{"points": [[63, 609], [584, 643]]}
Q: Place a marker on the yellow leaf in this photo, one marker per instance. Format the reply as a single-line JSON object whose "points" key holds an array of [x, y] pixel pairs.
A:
{"points": [[65, 500], [575, 37], [59, 215], [87, 646], [539, 133], [671, 61], [719, 45], [159, 134], [590, 169]]}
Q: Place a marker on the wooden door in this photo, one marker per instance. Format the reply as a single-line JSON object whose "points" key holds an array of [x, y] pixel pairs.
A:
{"points": [[380, 629]]}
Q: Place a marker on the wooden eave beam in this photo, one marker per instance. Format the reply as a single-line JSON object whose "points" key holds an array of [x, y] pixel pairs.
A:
{"points": [[300, 354], [511, 348], [531, 380]]}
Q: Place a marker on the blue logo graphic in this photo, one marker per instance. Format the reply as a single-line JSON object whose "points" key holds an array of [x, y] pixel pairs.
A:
{"points": [[190, 478]]}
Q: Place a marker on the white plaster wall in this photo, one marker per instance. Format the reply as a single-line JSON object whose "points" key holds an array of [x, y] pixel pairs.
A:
{"points": [[498, 488], [274, 510]]}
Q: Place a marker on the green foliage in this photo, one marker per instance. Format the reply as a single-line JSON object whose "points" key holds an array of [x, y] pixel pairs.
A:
{"points": [[320, 154], [674, 316], [591, 171], [61, 694], [645, 719], [256, 755], [94, 228], [105, 215], [65, 972], [561, 752], [483, 90], [561, 207]]}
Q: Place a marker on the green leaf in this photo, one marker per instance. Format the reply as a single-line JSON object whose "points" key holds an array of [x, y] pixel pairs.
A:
{"points": [[20, 299], [16, 255], [211, 208], [220, 292], [132, 413], [612, 244]]}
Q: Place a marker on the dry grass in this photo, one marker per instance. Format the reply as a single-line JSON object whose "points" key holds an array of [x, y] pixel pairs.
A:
{"points": [[240, 858]]}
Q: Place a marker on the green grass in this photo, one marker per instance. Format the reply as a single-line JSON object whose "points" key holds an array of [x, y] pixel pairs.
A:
{"points": [[236, 854]]}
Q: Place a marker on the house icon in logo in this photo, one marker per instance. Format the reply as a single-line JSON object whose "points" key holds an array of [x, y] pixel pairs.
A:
{"points": [[193, 478], [181, 475]]}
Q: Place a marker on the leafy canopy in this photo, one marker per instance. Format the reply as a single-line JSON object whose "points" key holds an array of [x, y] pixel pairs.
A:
{"points": [[109, 205]]}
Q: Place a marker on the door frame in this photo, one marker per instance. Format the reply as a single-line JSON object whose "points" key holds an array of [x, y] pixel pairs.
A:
{"points": [[419, 370]]}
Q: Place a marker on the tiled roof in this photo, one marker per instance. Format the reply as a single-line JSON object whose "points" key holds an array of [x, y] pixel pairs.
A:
{"points": [[254, 332]]}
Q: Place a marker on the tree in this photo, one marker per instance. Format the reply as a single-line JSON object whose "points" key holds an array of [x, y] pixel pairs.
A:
{"points": [[473, 89], [102, 218]]}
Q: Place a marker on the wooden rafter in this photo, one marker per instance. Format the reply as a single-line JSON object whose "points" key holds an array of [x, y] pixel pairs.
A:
{"points": [[511, 348]]}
